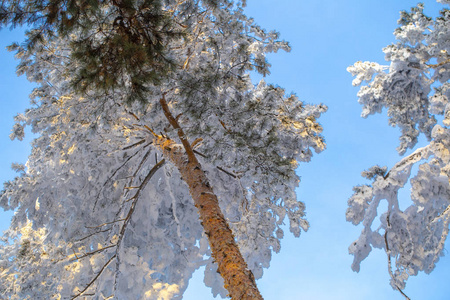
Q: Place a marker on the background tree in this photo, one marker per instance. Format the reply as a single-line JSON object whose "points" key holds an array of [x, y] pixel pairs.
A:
{"points": [[103, 206], [415, 91]]}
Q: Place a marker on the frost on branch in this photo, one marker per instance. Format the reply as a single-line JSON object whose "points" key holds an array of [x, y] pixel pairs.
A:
{"points": [[107, 214], [414, 88], [413, 238]]}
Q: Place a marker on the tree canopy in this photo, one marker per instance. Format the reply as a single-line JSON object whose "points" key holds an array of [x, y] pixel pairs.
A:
{"points": [[113, 43]]}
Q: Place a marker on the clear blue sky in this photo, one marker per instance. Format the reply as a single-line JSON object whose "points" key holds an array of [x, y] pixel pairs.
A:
{"points": [[326, 37]]}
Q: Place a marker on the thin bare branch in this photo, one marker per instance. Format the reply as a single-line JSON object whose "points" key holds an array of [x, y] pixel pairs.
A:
{"points": [[401, 292], [199, 153], [94, 233], [226, 172], [136, 196], [101, 225], [110, 177], [130, 199], [134, 145], [95, 278], [94, 252], [143, 160]]}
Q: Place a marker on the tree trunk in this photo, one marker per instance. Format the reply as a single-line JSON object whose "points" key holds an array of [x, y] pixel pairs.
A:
{"points": [[239, 280]]}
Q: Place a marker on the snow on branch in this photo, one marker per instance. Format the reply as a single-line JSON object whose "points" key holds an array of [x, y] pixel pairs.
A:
{"points": [[415, 91]]}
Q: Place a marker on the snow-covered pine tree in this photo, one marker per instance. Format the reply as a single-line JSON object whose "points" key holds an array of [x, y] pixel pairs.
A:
{"points": [[415, 91], [108, 203]]}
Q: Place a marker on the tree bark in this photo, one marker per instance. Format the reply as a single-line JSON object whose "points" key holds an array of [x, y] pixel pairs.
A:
{"points": [[239, 280]]}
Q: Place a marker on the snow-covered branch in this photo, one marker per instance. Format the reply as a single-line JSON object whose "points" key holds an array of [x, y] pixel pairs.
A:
{"points": [[416, 93]]}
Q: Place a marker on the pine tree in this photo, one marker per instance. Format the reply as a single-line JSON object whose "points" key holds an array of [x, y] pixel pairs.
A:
{"points": [[108, 204], [115, 43], [415, 91]]}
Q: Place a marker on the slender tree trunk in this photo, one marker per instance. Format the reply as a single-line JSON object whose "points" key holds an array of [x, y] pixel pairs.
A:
{"points": [[239, 280]]}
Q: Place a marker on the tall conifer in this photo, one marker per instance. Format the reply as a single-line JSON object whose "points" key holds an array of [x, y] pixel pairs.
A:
{"points": [[110, 202]]}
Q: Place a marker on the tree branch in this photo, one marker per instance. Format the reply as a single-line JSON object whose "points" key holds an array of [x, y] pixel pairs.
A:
{"points": [[414, 157], [134, 145], [226, 172], [176, 126], [93, 252], [388, 252], [95, 278], [101, 225], [439, 64]]}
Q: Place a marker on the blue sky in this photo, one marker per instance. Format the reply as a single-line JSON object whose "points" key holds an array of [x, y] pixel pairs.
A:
{"points": [[326, 37]]}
